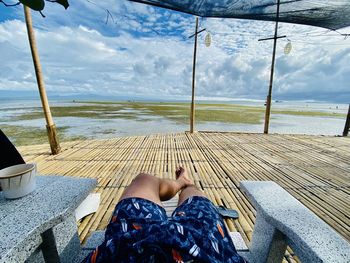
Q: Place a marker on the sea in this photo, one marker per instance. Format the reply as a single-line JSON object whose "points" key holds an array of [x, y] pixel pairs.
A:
{"points": [[107, 128]]}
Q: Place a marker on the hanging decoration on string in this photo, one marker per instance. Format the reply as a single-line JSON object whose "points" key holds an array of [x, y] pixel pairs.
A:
{"points": [[207, 40], [288, 48]]}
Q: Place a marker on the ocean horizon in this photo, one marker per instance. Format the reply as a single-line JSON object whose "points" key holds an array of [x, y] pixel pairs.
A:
{"points": [[85, 127]]}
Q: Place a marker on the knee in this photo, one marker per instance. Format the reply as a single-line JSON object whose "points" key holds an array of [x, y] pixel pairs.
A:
{"points": [[143, 176], [145, 179]]}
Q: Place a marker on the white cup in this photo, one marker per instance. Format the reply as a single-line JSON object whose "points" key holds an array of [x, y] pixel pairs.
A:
{"points": [[18, 180]]}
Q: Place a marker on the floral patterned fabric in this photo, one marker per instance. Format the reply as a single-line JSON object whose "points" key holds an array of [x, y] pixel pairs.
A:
{"points": [[140, 231]]}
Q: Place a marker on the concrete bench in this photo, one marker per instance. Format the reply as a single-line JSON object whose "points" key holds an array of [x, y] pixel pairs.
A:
{"points": [[282, 220], [41, 226]]}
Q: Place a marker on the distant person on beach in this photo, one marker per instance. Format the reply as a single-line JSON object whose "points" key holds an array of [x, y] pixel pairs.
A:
{"points": [[140, 231]]}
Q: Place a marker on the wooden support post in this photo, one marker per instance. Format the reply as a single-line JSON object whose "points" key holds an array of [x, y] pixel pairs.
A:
{"points": [[269, 96], [50, 126], [347, 124], [194, 78]]}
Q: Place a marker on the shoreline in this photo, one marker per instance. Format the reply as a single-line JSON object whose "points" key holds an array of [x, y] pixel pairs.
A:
{"points": [[79, 119]]}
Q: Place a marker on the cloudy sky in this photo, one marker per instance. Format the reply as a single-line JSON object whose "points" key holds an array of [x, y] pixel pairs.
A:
{"points": [[141, 51]]}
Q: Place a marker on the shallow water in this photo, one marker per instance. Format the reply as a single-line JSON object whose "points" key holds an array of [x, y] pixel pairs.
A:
{"points": [[289, 124], [148, 124]]}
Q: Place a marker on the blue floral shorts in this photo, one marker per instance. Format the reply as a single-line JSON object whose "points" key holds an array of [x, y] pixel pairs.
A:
{"points": [[140, 231]]}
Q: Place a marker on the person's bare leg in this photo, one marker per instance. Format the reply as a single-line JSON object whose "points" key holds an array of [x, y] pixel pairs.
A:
{"points": [[155, 189], [189, 190], [169, 188], [143, 186]]}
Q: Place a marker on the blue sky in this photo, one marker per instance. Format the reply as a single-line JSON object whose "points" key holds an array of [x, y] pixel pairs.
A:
{"points": [[144, 51]]}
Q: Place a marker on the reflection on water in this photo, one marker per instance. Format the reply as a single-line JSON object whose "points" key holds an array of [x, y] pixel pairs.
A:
{"points": [[148, 124]]}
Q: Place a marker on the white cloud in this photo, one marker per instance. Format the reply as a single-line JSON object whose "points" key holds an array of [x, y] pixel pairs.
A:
{"points": [[146, 51]]}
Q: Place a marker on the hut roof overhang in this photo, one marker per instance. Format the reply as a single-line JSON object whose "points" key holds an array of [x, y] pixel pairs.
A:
{"points": [[333, 14]]}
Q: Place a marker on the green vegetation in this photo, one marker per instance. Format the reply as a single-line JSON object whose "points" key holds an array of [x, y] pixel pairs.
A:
{"points": [[36, 5], [207, 111], [24, 135], [178, 112], [229, 116], [91, 111]]}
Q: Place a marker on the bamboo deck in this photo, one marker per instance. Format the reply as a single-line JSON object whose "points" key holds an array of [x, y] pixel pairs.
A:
{"points": [[314, 169]]}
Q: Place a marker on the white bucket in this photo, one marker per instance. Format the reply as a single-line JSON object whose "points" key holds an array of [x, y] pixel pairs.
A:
{"points": [[18, 180]]}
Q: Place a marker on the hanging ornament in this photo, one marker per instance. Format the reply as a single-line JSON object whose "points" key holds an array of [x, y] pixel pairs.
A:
{"points": [[207, 40], [288, 48]]}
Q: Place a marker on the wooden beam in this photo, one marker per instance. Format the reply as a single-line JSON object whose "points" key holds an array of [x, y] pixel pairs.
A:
{"points": [[50, 125], [347, 124], [194, 78], [269, 96], [270, 38]]}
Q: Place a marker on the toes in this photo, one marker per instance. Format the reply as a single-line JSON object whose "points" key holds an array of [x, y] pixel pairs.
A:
{"points": [[178, 172]]}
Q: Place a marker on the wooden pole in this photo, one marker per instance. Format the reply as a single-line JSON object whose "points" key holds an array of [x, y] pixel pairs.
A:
{"points": [[194, 78], [269, 96], [347, 124], [50, 126]]}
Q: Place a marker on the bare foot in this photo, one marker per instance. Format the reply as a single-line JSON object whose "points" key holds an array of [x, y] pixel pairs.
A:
{"points": [[181, 175]]}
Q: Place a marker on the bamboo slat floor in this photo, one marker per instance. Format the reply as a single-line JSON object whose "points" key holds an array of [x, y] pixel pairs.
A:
{"points": [[314, 169]]}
